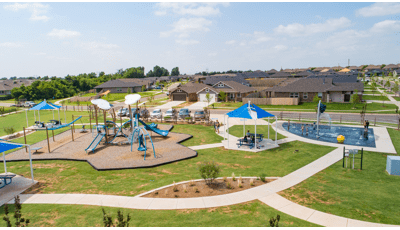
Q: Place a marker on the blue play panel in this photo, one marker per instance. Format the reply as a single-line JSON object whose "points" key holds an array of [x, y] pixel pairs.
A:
{"points": [[354, 136]]}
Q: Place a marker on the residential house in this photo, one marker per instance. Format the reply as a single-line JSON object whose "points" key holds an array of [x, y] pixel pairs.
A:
{"points": [[303, 74], [121, 86], [281, 74], [212, 80], [7, 85], [186, 92]]}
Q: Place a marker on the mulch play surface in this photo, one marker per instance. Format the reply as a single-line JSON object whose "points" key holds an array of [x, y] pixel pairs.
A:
{"points": [[201, 189], [111, 157]]}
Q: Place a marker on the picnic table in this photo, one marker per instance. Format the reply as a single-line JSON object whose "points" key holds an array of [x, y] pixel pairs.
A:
{"points": [[259, 136], [6, 177], [246, 142]]}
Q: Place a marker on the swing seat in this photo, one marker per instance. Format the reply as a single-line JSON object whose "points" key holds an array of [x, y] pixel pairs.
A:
{"points": [[141, 148]]}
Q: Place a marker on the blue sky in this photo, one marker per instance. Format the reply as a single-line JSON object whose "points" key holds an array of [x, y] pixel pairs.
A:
{"points": [[57, 39]]}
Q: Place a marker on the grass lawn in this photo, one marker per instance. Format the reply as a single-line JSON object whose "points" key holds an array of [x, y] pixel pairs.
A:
{"points": [[397, 98], [19, 120], [372, 92], [251, 214], [376, 98], [79, 177], [369, 194], [202, 135], [310, 107], [8, 109], [237, 131], [395, 136], [157, 102]]}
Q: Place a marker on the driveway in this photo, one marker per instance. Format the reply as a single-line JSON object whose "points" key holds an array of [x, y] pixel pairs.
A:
{"points": [[197, 105]]}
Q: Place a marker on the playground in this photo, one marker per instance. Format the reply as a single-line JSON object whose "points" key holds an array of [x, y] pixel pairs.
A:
{"points": [[80, 173]]}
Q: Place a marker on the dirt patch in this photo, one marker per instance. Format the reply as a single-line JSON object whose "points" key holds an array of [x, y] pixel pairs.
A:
{"points": [[201, 189], [167, 172], [234, 166], [142, 185]]}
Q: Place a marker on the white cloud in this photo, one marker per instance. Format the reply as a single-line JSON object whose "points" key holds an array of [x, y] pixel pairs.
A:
{"points": [[188, 8], [259, 37], [11, 44], [98, 46], [280, 47], [212, 54], [185, 26], [231, 42], [297, 29], [187, 42], [344, 40], [63, 33], [386, 26], [37, 10], [379, 9]]}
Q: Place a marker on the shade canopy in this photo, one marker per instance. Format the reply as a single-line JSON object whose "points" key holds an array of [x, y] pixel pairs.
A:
{"points": [[98, 101], [132, 99], [4, 146], [43, 106], [249, 111], [56, 106]]}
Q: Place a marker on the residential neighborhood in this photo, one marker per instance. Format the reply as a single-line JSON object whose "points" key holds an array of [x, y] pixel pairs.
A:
{"points": [[200, 114]]}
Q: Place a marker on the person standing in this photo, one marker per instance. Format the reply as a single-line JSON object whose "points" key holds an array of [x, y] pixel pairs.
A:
{"points": [[306, 130], [217, 126], [288, 124], [302, 129], [367, 123]]}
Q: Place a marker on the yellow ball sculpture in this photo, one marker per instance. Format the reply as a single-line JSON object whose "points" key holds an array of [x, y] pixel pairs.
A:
{"points": [[340, 139]]}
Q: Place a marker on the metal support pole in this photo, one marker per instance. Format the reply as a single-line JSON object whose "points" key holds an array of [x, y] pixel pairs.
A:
{"points": [[105, 126], [276, 131], [4, 161], [53, 135], [344, 155], [26, 113], [30, 162], [48, 142], [244, 125], [255, 134], [90, 123], [268, 128], [319, 104], [26, 149]]}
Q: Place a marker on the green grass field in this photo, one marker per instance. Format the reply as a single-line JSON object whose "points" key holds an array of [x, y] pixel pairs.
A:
{"points": [[237, 131], [202, 135], [369, 194], [251, 214], [395, 136], [376, 98], [79, 177], [397, 98]]}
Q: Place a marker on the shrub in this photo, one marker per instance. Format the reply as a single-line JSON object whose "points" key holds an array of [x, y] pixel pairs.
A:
{"points": [[233, 177], [251, 182], [9, 130], [196, 190], [209, 171], [175, 188], [188, 118], [167, 117], [240, 178], [184, 188], [191, 183], [228, 185], [240, 183], [19, 220], [273, 222], [108, 220], [262, 177], [225, 179]]}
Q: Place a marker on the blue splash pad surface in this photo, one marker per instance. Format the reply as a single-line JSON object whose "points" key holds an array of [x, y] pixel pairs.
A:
{"points": [[353, 136]]}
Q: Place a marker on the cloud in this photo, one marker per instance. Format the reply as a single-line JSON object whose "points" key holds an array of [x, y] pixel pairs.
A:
{"points": [[185, 26], [231, 42], [280, 47], [37, 10], [344, 40], [379, 9], [212, 54], [297, 29], [11, 44], [386, 26], [187, 42], [98, 46], [188, 8], [61, 34], [259, 37]]}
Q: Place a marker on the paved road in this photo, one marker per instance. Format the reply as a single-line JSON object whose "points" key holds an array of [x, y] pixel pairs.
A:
{"points": [[5, 104]]}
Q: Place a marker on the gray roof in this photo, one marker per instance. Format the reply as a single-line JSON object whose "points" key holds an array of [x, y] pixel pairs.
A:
{"points": [[391, 66], [281, 74], [10, 84], [118, 83], [337, 78], [211, 80], [257, 74], [303, 74], [235, 87]]}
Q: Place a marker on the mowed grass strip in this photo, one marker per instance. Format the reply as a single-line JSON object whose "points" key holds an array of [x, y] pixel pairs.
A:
{"points": [[79, 177], [375, 98], [202, 135], [237, 131], [395, 136], [369, 195], [251, 214]]}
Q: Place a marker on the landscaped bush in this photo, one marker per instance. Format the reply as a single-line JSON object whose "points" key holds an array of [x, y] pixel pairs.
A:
{"points": [[167, 117], [262, 177], [188, 118], [209, 171]]}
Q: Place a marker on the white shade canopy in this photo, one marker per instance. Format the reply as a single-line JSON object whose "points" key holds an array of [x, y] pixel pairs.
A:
{"points": [[132, 99], [98, 101], [104, 105]]}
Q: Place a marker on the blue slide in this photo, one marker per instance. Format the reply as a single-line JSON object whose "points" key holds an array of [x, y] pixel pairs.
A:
{"points": [[95, 142], [153, 128]]}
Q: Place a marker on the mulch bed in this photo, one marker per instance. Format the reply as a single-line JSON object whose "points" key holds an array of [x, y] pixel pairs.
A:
{"points": [[201, 189]]}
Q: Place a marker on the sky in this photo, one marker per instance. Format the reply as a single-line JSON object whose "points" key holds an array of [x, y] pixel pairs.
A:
{"points": [[56, 39]]}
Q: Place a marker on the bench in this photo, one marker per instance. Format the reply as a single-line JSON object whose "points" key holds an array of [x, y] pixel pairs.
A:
{"points": [[259, 136], [36, 149], [4, 178]]}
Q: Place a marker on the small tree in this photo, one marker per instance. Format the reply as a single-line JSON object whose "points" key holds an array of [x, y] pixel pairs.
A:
{"points": [[316, 98], [387, 84], [208, 99], [209, 171], [19, 220], [222, 95], [9, 130], [395, 88], [373, 87], [355, 99], [143, 88], [121, 222], [274, 222], [128, 90], [150, 98]]}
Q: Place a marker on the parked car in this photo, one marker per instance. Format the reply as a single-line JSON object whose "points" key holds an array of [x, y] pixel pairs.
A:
{"points": [[134, 111], [122, 112], [29, 104], [183, 113], [170, 113], [156, 113], [158, 87], [199, 114]]}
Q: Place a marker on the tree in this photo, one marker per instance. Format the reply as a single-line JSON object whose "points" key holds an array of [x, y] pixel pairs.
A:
{"points": [[316, 98], [384, 96], [395, 88], [150, 98], [387, 84], [143, 88], [128, 90], [108, 220], [175, 71], [208, 99], [222, 95], [355, 99], [373, 87], [19, 220]]}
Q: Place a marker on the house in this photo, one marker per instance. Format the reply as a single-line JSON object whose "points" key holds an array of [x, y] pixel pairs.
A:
{"points": [[272, 71], [307, 88], [303, 74], [7, 85], [354, 68], [122, 85], [390, 68], [197, 91], [281, 74], [212, 80]]}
